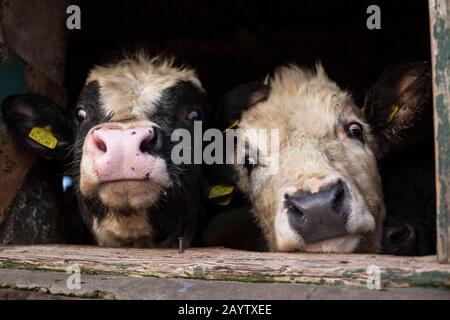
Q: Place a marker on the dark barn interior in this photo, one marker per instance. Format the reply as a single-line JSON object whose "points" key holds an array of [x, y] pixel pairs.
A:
{"points": [[229, 43], [232, 42]]}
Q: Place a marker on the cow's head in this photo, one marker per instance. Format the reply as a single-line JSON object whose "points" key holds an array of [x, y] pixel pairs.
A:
{"points": [[399, 108], [122, 126], [326, 194]]}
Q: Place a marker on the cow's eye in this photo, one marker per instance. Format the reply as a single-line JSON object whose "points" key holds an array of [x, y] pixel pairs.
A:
{"points": [[193, 115], [355, 130], [81, 114]]}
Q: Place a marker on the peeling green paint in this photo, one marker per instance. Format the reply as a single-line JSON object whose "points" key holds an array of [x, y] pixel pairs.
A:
{"points": [[439, 15], [351, 272], [125, 266], [352, 277], [24, 266], [433, 279], [444, 159]]}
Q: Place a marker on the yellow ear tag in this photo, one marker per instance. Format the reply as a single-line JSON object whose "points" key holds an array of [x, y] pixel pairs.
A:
{"points": [[394, 110], [222, 191], [233, 124], [44, 136]]}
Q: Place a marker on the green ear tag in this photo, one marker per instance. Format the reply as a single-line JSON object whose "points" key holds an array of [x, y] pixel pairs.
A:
{"points": [[221, 194], [44, 136], [394, 110]]}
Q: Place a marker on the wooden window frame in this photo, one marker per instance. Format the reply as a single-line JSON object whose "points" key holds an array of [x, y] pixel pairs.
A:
{"points": [[328, 269], [440, 51]]}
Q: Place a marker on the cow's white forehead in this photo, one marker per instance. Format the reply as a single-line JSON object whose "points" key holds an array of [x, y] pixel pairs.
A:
{"points": [[132, 86]]}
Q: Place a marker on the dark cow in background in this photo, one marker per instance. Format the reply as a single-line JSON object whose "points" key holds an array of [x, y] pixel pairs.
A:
{"points": [[399, 107], [129, 191], [41, 212]]}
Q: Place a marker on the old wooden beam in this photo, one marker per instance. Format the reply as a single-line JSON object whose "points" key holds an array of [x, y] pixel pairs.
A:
{"points": [[225, 264], [440, 51], [35, 284]]}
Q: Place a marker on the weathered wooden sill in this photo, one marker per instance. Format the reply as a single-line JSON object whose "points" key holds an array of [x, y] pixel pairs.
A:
{"points": [[226, 264]]}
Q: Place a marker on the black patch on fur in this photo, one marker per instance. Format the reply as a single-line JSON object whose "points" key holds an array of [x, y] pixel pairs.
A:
{"points": [[180, 212], [89, 100]]}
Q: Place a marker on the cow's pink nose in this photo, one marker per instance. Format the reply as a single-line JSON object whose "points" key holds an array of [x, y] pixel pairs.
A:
{"points": [[108, 140], [118, 153]]}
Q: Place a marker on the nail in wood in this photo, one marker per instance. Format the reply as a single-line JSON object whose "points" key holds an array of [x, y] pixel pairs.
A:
{"points": [[180, 245]]}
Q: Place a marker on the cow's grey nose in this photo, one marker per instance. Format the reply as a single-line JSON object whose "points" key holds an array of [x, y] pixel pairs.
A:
{"points": [[319, 216]]}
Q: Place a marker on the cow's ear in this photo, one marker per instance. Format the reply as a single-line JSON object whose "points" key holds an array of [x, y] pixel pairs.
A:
{"points": [[235, 102], [38, 124], [399, 106]]}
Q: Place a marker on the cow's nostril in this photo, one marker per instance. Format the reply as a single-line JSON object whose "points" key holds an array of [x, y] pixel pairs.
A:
{"points": [[146, 145], [295, 210], [292, 209], [339, 197], [100, 145], [401, 235]]}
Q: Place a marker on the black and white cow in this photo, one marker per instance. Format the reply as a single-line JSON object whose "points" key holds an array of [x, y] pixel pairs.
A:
{"points": [[129, 190]]}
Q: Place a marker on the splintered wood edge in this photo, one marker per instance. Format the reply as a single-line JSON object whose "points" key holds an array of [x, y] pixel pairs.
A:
{"points": [[233, 265]]}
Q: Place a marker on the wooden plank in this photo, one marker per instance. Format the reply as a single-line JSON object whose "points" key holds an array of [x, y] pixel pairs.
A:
{"points": [[226, 264], [10, 294], [440, 49], [36, 284]]}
